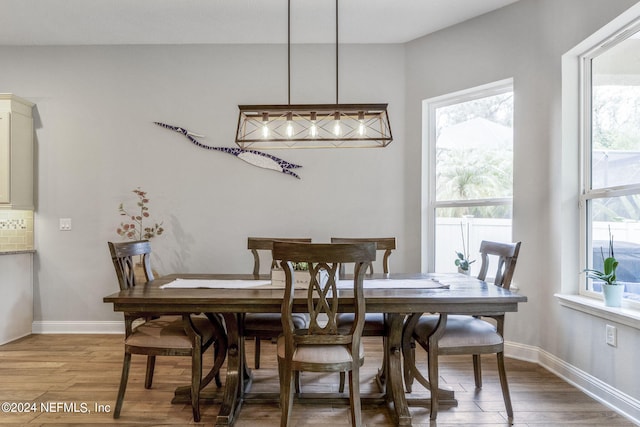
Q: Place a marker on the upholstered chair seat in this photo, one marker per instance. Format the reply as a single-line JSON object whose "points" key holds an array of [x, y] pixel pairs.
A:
{"points": [[318, 354], [373, 325], [461, 332], [270, 323], [168, 331]]}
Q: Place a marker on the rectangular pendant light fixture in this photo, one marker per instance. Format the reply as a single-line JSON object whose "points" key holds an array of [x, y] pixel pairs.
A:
{"points": [[313, 125]]}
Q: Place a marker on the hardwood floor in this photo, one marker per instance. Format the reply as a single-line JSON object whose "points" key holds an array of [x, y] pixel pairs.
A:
{"points": [[60, 380]]}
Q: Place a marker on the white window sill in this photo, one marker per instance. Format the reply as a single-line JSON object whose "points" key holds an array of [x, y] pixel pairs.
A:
{"points": [[625, 316]]}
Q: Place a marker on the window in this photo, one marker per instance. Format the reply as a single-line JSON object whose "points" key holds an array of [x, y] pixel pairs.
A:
{"points": [[610, 199], [468, 173]]}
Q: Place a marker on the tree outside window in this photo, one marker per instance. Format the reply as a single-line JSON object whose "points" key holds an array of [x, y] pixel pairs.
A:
{"points": [[470, 140]]}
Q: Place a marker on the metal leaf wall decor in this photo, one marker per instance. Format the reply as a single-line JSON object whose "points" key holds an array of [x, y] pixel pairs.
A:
{"points": [[256, 158]]}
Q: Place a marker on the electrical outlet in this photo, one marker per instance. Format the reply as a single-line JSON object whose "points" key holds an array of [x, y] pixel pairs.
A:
{"points": [[612, 336]]}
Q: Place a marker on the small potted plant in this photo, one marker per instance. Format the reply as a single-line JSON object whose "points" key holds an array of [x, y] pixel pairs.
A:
{"points": [[611, 289], [301, 266], [462, 261]]}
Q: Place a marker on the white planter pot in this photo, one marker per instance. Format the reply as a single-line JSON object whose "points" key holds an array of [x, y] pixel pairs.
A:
{"points": [[301, 278], [612, 295], [461, 271], [278, 278]]}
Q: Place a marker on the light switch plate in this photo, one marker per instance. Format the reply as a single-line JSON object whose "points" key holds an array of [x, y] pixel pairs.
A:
{"points": [[65, 224]]}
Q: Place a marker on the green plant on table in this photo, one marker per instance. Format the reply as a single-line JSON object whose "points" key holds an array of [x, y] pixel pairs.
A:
{"points": [[463, 262], [301, 266]]}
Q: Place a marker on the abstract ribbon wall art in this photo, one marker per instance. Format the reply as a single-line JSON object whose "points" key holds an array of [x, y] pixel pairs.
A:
{"points": [[253, 157]]}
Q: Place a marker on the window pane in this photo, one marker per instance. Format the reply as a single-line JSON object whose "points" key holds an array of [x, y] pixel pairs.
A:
{"points": [[470, 136], [452, 226], [615, 122], [474, 149], [620, 214]]}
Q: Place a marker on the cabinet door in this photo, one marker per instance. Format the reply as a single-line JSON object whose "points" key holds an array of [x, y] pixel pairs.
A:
{"points": [[16, 304], [5, 157]]}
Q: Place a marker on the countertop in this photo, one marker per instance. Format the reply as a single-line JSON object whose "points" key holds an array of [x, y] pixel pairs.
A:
{"points": [[21, 251]]}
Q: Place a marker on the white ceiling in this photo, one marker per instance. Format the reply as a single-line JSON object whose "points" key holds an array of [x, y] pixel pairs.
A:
{"points": [[88, 22]]}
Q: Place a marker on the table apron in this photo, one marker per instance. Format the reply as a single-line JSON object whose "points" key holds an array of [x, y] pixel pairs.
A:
{"points": [[416, 307]]}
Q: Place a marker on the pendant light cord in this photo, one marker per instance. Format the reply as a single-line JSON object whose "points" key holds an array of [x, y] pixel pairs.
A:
{"points": [[289, 51], [337, 52]]}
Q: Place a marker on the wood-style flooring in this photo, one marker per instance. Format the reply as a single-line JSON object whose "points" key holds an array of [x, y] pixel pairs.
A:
{"points": [[60, 380]]}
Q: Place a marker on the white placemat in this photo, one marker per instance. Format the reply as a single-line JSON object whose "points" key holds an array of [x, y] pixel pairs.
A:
{"points": [[267, 284], [215, 284], [395, 284]]}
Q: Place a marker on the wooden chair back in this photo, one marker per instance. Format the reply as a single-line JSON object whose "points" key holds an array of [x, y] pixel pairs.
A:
{"points": [[507, 254], [256, 244], [323, 297], [122, 255], [386, 244]]}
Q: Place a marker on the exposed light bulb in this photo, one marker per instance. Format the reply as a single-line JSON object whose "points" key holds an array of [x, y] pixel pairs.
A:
{"points": [[265, 123], [337, 129], [313, 130], [362, 130], [289, 125]]}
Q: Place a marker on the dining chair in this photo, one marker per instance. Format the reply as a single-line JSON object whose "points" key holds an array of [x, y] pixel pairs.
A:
{"points": [[322, 347], [266, 326], [186, 335], [386, 244], [374, 323], [464, 334]]}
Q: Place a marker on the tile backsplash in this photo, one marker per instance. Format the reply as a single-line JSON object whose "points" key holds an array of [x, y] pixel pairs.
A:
{"points": [[16, 230]]}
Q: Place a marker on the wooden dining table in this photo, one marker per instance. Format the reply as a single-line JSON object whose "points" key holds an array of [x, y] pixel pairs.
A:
{"points": [[396, 295]]}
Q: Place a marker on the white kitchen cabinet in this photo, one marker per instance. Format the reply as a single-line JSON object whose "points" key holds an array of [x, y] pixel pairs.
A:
{"points": [[16, 153], [16, 288]]}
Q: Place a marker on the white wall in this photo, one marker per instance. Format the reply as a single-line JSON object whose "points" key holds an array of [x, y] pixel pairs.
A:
{"points": [[525, 41], [96, 142]]}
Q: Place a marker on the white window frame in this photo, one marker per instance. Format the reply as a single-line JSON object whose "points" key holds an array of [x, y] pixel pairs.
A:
{"points": [[586, 193], [429, 202]]}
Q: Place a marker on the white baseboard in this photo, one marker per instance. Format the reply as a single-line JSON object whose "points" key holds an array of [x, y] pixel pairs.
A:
{"points": [[6, 340], [71, 327], [622, 403]]}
